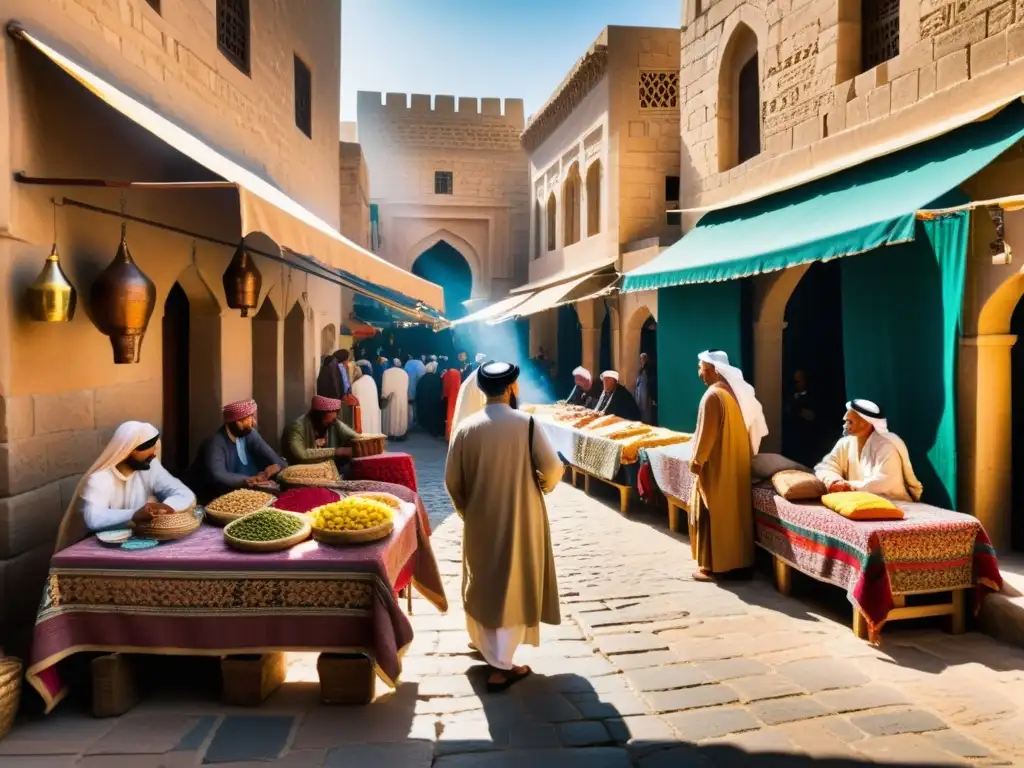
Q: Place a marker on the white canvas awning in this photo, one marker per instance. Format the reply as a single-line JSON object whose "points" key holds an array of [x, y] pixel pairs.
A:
{"points": [[264, 207], [586, 286]]}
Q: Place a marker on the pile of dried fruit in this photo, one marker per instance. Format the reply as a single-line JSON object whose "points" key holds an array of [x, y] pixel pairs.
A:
{"points": [[356, 513]]}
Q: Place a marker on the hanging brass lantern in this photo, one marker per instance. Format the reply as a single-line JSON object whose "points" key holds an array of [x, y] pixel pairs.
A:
{"points": [[51, 297], [121, 302], [242, 282]]}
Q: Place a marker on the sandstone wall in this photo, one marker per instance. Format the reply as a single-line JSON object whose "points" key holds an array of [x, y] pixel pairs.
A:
{"points": [[355, 194]]}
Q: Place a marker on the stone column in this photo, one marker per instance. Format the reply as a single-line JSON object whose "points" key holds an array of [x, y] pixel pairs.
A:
{"points": [[985, 441], [767, 379], [591, 315]]}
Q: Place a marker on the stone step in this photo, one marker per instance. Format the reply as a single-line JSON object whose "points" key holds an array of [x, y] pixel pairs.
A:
{"points": [[1002, 613]]}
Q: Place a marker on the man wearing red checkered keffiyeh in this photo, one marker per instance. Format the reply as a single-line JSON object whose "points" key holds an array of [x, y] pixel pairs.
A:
{"points": [[319, 435]]}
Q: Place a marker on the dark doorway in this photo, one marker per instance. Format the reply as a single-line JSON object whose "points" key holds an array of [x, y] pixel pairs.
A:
{"points": [[444, 265], [570, 348], [814, 388], [749, 112], [175, 434], [294, 364], [1017, 436], [649, 338], [605, 356]]}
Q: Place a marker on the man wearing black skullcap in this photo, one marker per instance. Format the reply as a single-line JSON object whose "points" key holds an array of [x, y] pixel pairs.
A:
{"points": [[500, 465]]}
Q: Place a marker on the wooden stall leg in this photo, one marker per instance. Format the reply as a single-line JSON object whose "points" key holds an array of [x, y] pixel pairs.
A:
{"points": [[625, 492], [572, 470], [958, 618], [783, 576], [673, 517], [860, 624], [586, 483]]}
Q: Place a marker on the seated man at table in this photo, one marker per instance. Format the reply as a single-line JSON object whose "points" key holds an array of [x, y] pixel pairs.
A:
{"points": [[869, 457], [319, 435], [583, 387], [616, 400], [234, 457], [121, 485]]}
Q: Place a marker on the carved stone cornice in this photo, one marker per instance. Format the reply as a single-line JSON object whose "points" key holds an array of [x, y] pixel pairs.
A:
{"points": [[580, 81]]}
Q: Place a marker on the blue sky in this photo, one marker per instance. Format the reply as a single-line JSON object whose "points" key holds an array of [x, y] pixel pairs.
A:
{"points": [[500, 48]]}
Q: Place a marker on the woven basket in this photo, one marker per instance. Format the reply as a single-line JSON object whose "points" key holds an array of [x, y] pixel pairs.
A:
{"points": [[169, 527], [270, 546], [342, 538], [223, 518], [368, 445], [323, 473], [10, 692]]}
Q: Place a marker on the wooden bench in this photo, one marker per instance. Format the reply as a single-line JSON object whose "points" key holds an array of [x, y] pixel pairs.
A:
{"points": [[625, 491]]}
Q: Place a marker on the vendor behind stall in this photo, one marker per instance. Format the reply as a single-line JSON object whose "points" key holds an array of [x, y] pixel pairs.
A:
{"points": [[121, 484], [234, 457], [616, 400], [319, 435], [583, 389]]}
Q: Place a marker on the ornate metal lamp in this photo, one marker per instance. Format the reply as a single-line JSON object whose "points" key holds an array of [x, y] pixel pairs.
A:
{"points": [[242, 281], [51, 296]]}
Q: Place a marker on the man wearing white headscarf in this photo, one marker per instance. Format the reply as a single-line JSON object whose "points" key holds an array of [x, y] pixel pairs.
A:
{"points": [[126, 483], [583, 386], [616, 400], [395, 389], [730, 425], [869, 457]]}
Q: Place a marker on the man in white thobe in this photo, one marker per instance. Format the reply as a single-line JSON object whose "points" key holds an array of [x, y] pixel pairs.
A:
{"points": [[126, 483], [395, 389], [365, 390], [869, 457]]}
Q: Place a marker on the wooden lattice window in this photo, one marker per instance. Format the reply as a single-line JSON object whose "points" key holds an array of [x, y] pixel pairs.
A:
{"points": [[303, 97], [748, 113], [444, 183], [233, 32], [659, 90], [880, 31]]}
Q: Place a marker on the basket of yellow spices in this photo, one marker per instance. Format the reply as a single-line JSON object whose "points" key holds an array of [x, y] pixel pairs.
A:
{"points": [[231, 506], [353, 520]]}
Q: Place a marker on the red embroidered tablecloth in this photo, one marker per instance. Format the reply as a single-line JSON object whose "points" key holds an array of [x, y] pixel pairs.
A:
{"points": [[388, 467], [198, 597]]}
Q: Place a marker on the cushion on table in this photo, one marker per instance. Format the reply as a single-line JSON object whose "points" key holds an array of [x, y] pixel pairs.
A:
{"points": [[858, 505], [797, 485]]}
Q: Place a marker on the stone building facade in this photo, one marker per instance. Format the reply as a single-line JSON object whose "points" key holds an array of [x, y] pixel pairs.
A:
{"points": [[61, 395], [777, 94], [604, 168], [449, 169]]}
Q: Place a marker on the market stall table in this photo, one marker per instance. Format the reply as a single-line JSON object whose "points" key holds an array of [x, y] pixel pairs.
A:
{"points": [[878, 562], [198, 597]]}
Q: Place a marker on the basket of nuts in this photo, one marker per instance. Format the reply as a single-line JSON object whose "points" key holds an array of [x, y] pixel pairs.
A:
{"points": [[322, 473], [368, 445], [267, 530], [169, 527], [236, 504]]}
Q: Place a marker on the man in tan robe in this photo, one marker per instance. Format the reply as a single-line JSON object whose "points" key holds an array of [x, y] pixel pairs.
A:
{"points": [[730, 425], [497, 484]]}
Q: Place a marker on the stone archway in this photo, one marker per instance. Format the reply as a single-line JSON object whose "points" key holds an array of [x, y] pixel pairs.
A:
{"points": [[444, 264], [192, 367], [464, 248], [745, 36]]}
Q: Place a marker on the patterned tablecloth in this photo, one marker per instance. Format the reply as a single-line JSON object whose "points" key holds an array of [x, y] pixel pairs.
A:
{"points": [[388, 467], [592, 453], [198, 597], [930, 550]]}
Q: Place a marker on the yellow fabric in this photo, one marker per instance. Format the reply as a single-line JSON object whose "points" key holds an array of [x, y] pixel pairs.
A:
{"points": [[724, 541], [858, 505]]}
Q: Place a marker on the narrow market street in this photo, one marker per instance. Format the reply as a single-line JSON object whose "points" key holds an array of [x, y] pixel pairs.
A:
{"points": [[648, 669]]}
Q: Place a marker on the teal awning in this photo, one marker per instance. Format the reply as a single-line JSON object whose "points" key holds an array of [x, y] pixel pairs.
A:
{"points": [[851, 212]]}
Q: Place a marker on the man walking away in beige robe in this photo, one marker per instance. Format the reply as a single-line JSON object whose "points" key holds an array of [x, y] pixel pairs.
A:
{"points": [[497, 484], [730, 425]]}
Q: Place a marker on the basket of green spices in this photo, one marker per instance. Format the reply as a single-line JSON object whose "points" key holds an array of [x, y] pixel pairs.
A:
{"points": [[268, 530]]}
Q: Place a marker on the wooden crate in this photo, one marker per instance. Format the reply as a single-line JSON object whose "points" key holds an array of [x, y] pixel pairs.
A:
{"points": [[250, 679], [114, 691], [345, 678]]}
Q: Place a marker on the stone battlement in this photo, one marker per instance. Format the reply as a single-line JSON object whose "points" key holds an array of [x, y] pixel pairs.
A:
{"points": [[421, 105]]}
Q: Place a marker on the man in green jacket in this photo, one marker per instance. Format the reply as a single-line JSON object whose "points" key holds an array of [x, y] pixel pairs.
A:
{"points": [[319, 435]]}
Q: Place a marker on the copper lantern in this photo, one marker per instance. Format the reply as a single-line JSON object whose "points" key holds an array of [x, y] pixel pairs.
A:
{"points": [[121, 302], [51, 296], [242, 282]]}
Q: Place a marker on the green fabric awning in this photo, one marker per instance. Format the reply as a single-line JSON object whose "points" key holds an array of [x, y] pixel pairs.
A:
{"points": [[851, 212]]}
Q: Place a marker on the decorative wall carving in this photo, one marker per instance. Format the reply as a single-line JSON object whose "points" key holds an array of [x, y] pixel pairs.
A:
{"points": [[659, 90], [581, 80], [791, 90]]}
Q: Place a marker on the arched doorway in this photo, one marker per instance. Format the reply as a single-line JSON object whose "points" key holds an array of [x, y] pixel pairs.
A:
{"points": [[444, 265], [1017, 390], [813, 371], [176, 380], [294, 363], [570, 348], [266, 359], [739, 100], [649, 337]]}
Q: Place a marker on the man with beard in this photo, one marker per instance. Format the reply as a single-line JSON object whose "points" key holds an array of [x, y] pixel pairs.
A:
{"points": [[615, 399], [234, 457], [319, 435], [119, 486], [583, 387]]}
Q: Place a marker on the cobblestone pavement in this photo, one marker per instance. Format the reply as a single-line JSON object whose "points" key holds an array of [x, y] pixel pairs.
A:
{"points": [[648, 669]]}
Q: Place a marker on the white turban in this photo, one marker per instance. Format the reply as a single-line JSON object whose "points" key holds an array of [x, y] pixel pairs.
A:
{"points": [[872, 414], [397, 362], [750, 407], [610, 375], [480, 357], [583, 372], [431, 367]]}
